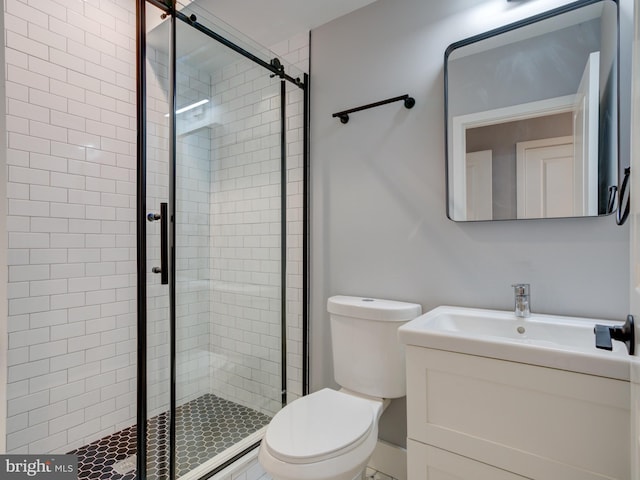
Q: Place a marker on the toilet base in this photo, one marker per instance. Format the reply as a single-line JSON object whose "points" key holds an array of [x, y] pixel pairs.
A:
{"points": [[360, 476], [348, 466]]}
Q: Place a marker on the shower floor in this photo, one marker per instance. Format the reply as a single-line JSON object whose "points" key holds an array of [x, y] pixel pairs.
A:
{"points": [[205, 427]]}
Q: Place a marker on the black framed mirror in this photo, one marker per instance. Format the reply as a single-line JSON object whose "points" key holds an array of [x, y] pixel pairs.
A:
{"points": [[531, 112]]}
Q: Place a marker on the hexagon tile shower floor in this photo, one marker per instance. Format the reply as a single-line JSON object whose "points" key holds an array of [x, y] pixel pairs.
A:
{"points": [[205, 427]]}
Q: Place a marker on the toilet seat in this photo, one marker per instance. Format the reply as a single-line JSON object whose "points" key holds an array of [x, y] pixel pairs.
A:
{"points": [[323, 425]]}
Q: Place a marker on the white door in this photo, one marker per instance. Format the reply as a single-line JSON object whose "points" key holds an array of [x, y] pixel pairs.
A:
{"points": [[585, 134], [634, 290], [545, 176], [479, 185], [634, 219]]}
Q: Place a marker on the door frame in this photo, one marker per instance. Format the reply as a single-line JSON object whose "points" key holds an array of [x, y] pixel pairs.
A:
{"points": [[461, 123]]}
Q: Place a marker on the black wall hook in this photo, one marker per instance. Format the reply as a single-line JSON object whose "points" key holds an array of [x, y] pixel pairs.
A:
{"points": [[623, 212], [617, 199]]}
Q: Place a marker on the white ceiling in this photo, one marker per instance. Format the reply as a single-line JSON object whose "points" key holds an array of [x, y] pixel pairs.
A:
{"points": [[270, 22]]}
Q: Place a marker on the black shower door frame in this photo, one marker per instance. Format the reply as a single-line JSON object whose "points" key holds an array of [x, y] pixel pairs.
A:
{"points": [[277, 69]]}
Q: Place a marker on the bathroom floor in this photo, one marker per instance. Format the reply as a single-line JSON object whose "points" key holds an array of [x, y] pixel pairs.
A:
{"points": [[371, 474], [205, 427]]}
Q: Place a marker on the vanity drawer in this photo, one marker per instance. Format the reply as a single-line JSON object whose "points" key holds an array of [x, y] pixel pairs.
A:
{"points": [[431, 463], [540, 422]]}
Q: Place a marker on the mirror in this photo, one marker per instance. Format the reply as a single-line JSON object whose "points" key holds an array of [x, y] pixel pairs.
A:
{"points": [[532, 112]]}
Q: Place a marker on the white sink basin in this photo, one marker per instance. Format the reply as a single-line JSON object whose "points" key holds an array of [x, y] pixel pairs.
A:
{"points": [[566, 343]]}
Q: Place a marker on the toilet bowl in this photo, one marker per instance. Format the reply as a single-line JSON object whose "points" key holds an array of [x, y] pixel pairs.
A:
{"points": [[327, 435], [331, 434]]}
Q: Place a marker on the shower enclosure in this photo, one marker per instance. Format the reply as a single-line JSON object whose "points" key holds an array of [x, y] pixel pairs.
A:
{"points": [[220, 248], [191, 165], [156, 224]]}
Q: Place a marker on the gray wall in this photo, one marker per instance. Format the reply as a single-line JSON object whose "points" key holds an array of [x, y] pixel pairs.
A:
{"points": [[378, 223], [551, 66]]}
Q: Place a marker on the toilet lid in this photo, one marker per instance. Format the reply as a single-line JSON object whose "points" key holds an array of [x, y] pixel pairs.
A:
{"points": [[322, 424]]}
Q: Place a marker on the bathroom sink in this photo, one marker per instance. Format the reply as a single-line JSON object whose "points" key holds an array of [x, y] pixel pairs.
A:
{"points": [[566, 343]]}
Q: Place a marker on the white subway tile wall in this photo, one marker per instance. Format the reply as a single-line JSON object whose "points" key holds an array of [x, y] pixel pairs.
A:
{"points": [[245, 224], [193, 284], [71, 187], [245, 232], [192, 237]]}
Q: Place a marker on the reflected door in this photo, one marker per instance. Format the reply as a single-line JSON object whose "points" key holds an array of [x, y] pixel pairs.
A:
{"points": [[585, 133], [545, 174]]}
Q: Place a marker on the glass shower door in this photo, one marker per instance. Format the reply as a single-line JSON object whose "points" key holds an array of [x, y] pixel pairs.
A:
{"points": [[227, 250], [154, 392], [216, 200], [228, 278]]}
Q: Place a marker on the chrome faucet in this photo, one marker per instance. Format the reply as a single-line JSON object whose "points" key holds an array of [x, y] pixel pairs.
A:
{"points": [[521, 291]]}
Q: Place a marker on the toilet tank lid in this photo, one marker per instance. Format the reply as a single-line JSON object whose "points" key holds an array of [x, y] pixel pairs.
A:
{"points": [[373, 308]]}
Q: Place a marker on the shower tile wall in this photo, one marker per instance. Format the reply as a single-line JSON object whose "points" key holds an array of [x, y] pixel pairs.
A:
{"points": [[71, 186], [193, 285], [246, 237], [245, 223], [192, 235]]}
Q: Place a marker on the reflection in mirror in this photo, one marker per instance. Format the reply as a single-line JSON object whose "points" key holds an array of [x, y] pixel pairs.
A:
{"points": [[532, 117]]}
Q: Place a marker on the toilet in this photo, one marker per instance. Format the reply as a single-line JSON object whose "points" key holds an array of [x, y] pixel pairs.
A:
{"points": [[331, 434]]}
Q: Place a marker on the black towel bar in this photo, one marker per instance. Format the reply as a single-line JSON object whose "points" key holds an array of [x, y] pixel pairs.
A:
{"points": [[409, 102]]}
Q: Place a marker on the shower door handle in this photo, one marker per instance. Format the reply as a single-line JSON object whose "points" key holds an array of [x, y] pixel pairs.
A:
{"points": [[163, 216], [164, 252]]}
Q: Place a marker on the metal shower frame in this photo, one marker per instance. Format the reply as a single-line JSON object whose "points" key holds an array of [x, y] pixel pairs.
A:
{"points": [[277, 69]]}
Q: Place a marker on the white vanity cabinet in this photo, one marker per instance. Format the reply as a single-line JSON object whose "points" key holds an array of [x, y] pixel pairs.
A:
{"points": [[434, 463], [475, 418]]}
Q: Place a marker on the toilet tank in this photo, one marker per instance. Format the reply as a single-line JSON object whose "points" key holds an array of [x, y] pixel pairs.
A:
{"points": [[367, 357]]}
